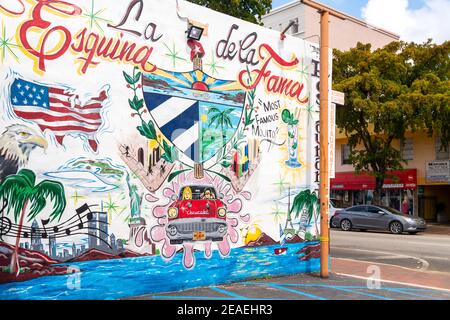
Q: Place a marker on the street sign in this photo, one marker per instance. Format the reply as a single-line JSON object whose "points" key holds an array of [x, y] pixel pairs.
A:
{"points": [[332, 141], [338, 97]]}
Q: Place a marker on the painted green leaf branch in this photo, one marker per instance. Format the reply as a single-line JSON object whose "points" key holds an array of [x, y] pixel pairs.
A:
{"points": [[147, 128]]}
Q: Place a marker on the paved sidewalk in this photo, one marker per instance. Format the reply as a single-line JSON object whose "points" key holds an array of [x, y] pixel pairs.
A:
{"points": [[441, 229], [391, 273], [305, 287]]}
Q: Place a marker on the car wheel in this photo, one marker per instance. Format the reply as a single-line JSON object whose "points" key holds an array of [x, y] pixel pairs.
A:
{"points": [[396, 227], [346, 225]]}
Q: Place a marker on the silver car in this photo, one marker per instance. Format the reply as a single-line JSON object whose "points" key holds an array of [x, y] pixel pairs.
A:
{"points": [[366, 217]]}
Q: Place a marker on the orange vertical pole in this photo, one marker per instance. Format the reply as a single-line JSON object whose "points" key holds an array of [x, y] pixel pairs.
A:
{"points": [[324, 144]]}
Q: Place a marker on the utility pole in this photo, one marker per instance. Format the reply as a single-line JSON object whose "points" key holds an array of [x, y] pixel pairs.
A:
{"points": [[324, 183], [324, 192]]}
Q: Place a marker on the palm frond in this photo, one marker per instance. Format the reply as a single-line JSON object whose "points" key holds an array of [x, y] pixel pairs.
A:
{"points": [[16, 189], [44, 190], [213, 109]]}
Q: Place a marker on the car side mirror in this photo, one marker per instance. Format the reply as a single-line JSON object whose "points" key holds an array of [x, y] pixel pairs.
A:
{"points": [[174, 197], [382, 212]]}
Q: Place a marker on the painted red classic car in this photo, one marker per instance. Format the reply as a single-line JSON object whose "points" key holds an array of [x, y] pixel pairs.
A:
{"points": [[198, 214]]}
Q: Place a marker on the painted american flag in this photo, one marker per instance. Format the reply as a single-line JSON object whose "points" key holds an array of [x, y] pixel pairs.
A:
{"points": [[54, 109]]}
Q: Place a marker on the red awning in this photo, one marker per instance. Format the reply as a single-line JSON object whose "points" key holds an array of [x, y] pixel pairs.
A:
{"points": [[407, 179]]}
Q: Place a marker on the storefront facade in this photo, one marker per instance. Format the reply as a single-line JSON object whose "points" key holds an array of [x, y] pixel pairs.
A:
{"points": [[424, 182], [350, 188]]}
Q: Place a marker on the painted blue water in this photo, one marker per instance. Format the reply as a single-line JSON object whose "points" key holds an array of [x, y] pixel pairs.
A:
{"points": [[120, 278]]}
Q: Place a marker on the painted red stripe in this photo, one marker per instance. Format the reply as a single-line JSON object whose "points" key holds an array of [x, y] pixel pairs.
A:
{"points": [[56, 100], [58, 91], [51, 118], [67, 104], [88, 116], [67, 128]]}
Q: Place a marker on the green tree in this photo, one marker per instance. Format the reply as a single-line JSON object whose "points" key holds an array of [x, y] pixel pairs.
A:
{"points": [[249, 10], [310, 202], [222, 119], [20, 190], [389, 91]]}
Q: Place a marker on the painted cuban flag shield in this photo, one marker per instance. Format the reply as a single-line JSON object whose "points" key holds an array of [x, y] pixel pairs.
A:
{"points": [[197, 113]]}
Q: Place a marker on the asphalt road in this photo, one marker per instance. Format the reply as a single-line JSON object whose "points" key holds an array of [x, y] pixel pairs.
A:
{"points": [[422, 251]]}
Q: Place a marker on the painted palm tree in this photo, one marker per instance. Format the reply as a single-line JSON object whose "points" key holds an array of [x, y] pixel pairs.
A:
{"points": [[21, 191], [306, 200], [221, 119]]}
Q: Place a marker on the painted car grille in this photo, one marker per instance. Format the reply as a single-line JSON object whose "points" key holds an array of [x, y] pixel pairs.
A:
{"points": [[198, 226]]}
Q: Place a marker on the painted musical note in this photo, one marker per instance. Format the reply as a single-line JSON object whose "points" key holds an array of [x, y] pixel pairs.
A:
{"points": [[81, 210], [44, 223], [5, 223]]}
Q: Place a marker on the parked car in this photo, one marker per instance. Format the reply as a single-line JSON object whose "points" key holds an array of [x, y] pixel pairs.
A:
{"points": [[366, 217], [197, 214], [333, 209], [335, 206]]}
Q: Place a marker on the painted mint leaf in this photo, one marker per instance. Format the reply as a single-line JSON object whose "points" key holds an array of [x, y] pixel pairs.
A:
{"points": [[167, 157], [176, 173], [137, 77], [138, 103], [128, 78], [225, 164], [286, 116], [132, 104]]}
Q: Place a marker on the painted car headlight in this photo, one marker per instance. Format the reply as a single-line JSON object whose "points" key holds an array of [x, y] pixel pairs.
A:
{"points": [[222, 228], [222, 212], [173, 212], [173, 231]]}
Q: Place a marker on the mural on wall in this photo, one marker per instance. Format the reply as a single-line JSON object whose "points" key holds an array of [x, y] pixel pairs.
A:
{"points": [[131, 152]]}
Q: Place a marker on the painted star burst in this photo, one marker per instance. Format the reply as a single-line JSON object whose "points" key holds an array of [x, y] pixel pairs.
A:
{"points": [[213, 64], [76, 197], [94, 18], [277, 214], [281, 184], [173, 54], [6, 45], [303, 70], [111, 207]]}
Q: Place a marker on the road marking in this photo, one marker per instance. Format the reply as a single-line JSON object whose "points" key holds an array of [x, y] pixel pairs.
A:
{"points": [[428, 244], [360, 293], [412, 294], [194, 298], [424, 267], [396, 282], [228, 293], [276, 286]]}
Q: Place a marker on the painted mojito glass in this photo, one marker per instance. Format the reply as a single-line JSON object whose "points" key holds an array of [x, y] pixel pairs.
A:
{"points": [[292, 123]]}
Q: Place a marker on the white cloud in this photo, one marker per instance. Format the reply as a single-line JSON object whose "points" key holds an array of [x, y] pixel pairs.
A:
{"points": [[432, 20]]}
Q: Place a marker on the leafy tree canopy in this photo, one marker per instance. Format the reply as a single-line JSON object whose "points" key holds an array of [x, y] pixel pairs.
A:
{"points": [[249, 10], [389, 91]]}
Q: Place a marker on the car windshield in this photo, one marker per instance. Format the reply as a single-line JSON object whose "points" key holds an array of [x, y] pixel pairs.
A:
{"points": [[393, 211], [337, 204], [197, 193]]}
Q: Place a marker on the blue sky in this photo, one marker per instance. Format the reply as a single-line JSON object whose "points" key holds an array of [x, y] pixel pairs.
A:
{"points": [[351, 7], [412, 20]]}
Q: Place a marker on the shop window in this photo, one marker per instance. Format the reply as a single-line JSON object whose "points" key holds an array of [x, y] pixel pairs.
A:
{"points": [[407, 149], [345, 154], [441, 153]]}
